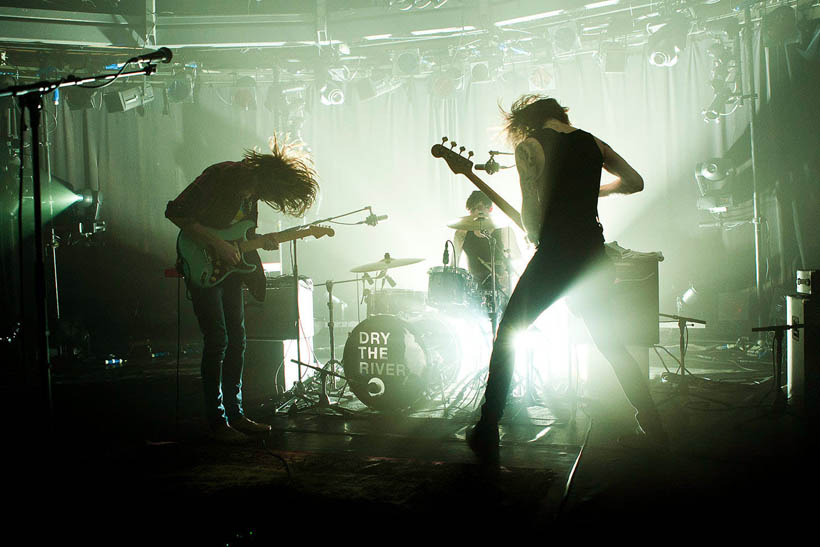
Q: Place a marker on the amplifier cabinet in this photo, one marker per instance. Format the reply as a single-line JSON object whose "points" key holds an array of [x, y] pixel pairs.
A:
{"points": [[275, 318], [803, 354], [635, 299]]}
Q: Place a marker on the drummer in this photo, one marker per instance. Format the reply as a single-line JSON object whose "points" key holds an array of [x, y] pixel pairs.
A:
{"points": [[477, 246]]}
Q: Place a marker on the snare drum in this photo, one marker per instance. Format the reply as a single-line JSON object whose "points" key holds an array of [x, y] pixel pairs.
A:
{"points": [[394, 363], [395, 301], [448, 287]]}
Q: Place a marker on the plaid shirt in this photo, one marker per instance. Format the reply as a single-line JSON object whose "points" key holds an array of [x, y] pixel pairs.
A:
{"points": [[212, 199]]}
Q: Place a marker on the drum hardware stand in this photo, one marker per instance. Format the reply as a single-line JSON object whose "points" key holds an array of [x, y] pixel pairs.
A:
{"points": [[494, 306], [324, 401], [300, 390]]}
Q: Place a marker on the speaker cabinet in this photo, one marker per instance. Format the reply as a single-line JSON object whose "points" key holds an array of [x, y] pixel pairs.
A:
{"points": [[636, 301], [264, 373], [275, 318]]}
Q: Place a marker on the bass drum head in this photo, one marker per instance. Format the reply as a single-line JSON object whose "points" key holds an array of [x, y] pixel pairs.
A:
{"points": [[392, 363]]}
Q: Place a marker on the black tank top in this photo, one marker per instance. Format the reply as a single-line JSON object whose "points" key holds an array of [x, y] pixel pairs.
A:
{"points": [[573, 164]]}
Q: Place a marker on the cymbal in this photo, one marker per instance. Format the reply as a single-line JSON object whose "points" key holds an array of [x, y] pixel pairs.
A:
{"points": [[477, 223], [385, 264]]}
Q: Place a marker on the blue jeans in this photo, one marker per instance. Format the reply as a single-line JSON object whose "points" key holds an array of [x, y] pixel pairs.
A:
{"points": [[221, 314], [553, 270]]}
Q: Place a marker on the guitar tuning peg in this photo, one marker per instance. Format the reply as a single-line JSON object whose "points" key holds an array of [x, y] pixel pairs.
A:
{"points": [[443, 140], [461, 149], [470, 154], [453, 144]]}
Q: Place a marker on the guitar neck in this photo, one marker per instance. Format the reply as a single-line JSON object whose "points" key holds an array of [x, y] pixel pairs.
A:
{"points": [[281, 237], [505, 207]]}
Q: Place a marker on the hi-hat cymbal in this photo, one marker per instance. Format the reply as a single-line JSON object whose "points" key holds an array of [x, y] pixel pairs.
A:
{"points": [[385, 264], [477, 223]]}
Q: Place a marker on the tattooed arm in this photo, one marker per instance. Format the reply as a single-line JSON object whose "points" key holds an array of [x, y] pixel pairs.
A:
{"points": [[530, 162], [628, 181]]}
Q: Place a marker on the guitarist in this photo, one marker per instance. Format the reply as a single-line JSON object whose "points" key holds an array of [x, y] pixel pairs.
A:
{"points": [[226, 193], [559, 168]]}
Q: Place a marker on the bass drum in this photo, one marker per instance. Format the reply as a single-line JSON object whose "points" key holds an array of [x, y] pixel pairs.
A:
{"points": [[395, 363]]}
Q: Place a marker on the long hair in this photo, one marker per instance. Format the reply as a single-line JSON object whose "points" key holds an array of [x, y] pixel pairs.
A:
{"points": [[529, 113], [285, 178]]}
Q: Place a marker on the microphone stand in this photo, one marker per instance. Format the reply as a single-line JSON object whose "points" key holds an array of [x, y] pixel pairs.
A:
{"points": [[30, 98], [300, 392]]}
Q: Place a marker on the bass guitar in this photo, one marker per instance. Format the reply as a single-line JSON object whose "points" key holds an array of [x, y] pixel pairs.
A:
{"points": [[201, 267], [462, 165]]}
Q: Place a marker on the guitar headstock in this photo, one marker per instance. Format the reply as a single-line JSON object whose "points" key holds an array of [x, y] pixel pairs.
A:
{"points": [[458, 163], [318, 231]]}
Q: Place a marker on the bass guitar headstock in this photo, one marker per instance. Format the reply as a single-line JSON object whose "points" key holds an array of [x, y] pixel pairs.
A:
{"points": [[458, 163]]}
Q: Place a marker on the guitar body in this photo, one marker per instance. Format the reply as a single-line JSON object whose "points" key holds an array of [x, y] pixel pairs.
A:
{"points": [[201, 268]]}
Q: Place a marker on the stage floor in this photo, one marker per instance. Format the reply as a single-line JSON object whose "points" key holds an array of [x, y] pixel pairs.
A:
{"points": [[131, 458]]}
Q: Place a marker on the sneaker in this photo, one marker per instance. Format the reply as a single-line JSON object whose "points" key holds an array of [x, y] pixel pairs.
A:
{"points": [[249, 427], [482, 439], [223, 433]]}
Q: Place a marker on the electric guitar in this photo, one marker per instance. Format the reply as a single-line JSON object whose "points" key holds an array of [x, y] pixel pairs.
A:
{"points": [[201, 267], [461, 165]]}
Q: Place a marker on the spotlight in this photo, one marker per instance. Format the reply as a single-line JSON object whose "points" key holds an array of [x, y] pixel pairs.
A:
{"points": [[715, 169], [714, 179], [134, 97], [565, 38], [407, 63], [79, 98], [181, 89], [245, 94], [480, 72], [666, 43], [331, 94]]}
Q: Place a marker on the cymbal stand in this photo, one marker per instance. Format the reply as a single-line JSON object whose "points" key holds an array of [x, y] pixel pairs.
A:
{"points": [[300, 390], [329, 367]]}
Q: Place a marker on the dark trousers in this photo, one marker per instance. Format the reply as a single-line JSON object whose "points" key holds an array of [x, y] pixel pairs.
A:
{"points": [[553, 270], [221, 314]]}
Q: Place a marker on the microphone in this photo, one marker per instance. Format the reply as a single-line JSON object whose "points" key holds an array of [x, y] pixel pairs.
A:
{"points": [[445, 258], [491, 166], [372, 219], [162, 55]]}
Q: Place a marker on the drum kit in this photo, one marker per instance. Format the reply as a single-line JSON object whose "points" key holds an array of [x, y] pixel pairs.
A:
{"points": [[407, 349]]}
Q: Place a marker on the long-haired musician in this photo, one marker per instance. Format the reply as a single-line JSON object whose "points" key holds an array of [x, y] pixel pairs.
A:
{"points": [[559, 167], [224, 194]]}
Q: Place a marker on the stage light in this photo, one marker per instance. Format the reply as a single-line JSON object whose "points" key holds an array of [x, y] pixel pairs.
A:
{"points": [[714, 178], [666, 43], [565, 38], [245, 94], [715, 169], [480, 72], [181, 89], [331, 94], [133, 97], [407, 63], [79, 98]]}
